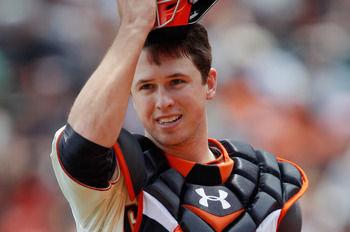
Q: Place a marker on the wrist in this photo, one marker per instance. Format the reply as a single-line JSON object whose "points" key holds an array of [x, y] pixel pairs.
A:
{"points": [[138, 29]]}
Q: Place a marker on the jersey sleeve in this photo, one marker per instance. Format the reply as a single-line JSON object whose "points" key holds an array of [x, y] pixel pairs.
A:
{"points": [[85, 161], [95, 208]]}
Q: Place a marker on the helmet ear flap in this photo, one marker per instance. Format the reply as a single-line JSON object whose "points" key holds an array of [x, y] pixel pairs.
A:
{"points": [[172, 13]]}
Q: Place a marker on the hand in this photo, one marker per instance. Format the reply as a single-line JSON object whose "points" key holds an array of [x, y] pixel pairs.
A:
{"points": [[137, 13]]}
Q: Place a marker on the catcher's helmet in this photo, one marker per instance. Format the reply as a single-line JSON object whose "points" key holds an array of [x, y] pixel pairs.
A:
{"points": [[180, 12]]}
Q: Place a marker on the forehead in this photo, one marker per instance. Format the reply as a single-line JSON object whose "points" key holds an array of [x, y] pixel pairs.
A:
{"points": [[146, 69]]}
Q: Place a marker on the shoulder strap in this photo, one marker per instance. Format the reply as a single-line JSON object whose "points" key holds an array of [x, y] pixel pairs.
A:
{"points": [[131, 160]]}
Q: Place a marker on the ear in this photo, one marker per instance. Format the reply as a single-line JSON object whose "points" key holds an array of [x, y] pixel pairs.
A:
{"points": [[132, 99], [211, 84]]}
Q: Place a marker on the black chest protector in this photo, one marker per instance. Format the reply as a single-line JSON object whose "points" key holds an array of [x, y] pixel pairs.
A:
{"points": [[257, 186]]}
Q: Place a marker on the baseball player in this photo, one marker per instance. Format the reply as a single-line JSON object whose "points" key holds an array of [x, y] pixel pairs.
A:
{"points": [[172, 178]]}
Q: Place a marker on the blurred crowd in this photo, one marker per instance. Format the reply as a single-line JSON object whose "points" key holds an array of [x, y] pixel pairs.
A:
{"points": [[284, 86]]}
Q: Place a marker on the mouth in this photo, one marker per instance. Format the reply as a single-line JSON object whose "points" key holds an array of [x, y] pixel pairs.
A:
{"points": [[168, 120]]}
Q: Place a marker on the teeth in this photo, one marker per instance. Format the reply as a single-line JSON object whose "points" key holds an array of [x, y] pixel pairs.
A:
{"points": [[169, 120]]}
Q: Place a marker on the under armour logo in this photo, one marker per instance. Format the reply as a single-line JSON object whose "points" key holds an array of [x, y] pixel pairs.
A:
{"points": [[204, 200]]}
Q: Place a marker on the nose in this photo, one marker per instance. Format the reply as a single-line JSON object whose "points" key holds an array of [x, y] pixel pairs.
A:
{"points": [[164, 99]]}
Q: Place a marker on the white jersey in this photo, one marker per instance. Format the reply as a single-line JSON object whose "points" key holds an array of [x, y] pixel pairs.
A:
{"points": [[92, 208]]}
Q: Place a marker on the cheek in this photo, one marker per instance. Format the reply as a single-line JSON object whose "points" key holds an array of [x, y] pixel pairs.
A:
{"points": [[198, 102], [143, 108], [195, 98]]}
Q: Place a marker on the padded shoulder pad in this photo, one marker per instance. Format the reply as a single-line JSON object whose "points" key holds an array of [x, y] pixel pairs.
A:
{"points": [[240, 149], [134, 160], [265, 183], [292, 180]]}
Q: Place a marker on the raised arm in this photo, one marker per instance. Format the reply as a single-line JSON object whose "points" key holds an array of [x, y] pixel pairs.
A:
{"points": [[98, 112]]}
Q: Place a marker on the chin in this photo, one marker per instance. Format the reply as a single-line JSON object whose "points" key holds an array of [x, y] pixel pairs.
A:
{"points": [[168, 140]]}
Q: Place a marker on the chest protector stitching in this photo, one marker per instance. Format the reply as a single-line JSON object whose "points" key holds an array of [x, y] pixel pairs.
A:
{"points": [[257, 186]]}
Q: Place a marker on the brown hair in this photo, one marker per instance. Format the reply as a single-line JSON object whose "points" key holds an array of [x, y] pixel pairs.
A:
{"points": [[190, 41]]}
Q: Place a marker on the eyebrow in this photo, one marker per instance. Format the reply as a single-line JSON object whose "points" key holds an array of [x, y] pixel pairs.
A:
{"points": [[178, 74], [142, 81]]}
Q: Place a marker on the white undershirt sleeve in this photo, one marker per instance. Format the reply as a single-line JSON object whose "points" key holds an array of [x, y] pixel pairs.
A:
{"points": [[93, 209]]}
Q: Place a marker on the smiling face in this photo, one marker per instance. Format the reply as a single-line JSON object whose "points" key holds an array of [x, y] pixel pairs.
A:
{"points": [[170, 100]]}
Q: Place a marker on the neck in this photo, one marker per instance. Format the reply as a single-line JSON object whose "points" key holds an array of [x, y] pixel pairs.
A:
{"points": [[195, 149], [197, 156]]}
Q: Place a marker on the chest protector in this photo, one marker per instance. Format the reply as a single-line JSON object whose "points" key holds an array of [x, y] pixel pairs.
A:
{"points": [[258, 185]]}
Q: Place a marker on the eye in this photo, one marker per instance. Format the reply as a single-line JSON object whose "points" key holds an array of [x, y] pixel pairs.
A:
{"points": [[146, 87], [177, 82]]}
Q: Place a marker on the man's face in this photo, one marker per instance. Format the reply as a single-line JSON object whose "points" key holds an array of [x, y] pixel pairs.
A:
{"points": [[170, 100]]}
